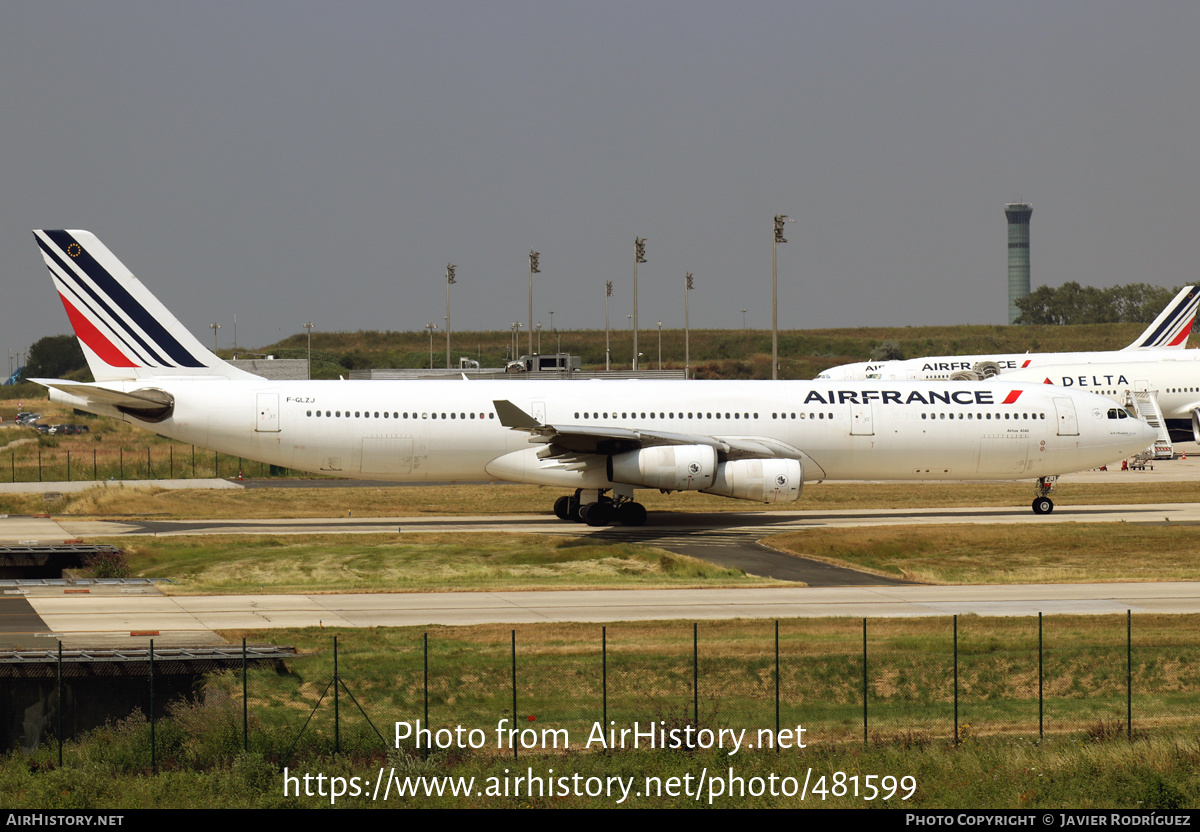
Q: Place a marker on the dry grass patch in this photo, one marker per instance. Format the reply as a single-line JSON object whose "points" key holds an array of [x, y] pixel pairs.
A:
{"points": [[502, 498], [1050, 553], [234, 564]]}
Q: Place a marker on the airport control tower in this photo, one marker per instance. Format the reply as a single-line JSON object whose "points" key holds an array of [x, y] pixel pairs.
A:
{"points": [[1018, 254]]}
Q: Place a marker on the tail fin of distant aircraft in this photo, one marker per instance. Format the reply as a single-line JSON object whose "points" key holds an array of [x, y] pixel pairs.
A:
{"points": [[1170, 330], [125, 332]]}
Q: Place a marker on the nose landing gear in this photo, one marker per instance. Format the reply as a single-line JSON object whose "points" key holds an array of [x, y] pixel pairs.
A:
{"points": [[1042, 504]]}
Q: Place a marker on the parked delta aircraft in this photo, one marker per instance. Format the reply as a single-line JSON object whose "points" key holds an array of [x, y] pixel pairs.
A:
{"points": [[1166, 335], [602, 440], [1165, 391]]}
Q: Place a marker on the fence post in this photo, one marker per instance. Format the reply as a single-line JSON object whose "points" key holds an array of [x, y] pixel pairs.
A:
{"points": [[956, 680], [776, 685], [60, 705], [95, 470], [864, 683], [425, 651], [39, 463], [171, 462], [120, 463], [148, 474], [68, 466], [245, 703], [514, 691], [1041, 700], [604, 677], [153, 759], [193, 462], [695, 675], [337, 725], [1129, 675]]}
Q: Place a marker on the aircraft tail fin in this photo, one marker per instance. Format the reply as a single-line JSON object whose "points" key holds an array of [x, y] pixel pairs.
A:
{"points": [[1171, 328], [125, 332]]}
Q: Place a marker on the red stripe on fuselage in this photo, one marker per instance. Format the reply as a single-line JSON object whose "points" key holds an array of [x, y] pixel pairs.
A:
{"points": [[91, 336], [1012, 396]]}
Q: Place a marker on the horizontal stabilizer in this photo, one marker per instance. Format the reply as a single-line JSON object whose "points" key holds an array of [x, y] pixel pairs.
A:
{"points": [[105, 395]]}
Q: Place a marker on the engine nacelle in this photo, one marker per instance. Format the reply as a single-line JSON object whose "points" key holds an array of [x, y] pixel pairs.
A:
{"points": [[759, 480], [666, 467]]}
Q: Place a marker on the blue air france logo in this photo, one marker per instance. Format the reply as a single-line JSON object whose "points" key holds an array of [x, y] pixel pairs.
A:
{"points": [[965, 397]]}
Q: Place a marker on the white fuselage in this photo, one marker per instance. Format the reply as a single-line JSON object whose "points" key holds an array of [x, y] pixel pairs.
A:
{"points": [[1175, 379], [416, 431], [941, 367]]}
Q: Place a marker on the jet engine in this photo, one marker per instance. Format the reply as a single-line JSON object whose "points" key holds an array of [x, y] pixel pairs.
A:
{"points": [[759, 480], [666, 467]]}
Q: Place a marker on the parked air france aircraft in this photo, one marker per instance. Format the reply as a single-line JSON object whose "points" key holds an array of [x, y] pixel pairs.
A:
{"points": [[1174, 379], [750, 440], [1166, 335]]}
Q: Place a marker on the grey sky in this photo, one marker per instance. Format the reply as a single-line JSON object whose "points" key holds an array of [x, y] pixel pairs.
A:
{"points": [[299, 160]]}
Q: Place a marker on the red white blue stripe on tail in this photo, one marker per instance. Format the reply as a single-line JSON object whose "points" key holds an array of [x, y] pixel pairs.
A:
{"points": [[125, 332], [1170, 329]]}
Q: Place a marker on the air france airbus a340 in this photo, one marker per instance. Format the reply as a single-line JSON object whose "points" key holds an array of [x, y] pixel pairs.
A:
{"points": [[601, 440]]}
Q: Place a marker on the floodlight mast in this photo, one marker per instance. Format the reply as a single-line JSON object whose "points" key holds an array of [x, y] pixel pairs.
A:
{"points": [[639, 256], [450, 267], [534, 257], [780, 219]]}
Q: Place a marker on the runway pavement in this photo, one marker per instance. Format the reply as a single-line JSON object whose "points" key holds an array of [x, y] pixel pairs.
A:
{"points": [[107, 618]]}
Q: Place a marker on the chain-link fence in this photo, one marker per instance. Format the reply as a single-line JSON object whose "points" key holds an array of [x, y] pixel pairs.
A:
{"points": [[844, 681], [34, 463]]}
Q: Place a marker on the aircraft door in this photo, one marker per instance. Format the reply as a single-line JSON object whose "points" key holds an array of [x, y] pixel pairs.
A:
{"points": [[267, 420], [539, 412], [1068, 423], [862, 422]]}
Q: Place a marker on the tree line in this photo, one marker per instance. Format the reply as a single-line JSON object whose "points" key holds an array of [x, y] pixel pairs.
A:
{"points": [[1075, 304]]}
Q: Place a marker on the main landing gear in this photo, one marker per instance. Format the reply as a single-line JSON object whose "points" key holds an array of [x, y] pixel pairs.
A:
{"points": [[1041, 503], [596, 508]]}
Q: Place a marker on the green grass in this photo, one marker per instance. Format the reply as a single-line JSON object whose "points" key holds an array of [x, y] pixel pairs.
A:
{"points": [[996, 761]]}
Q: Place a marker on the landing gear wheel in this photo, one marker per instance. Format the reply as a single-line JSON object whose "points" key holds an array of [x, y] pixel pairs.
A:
{"points": [[1043, 505], [597, 514], [631, 514], [562, 508]]}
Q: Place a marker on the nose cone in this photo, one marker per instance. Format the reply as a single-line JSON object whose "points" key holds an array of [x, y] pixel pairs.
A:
{"points": [[1147, 435]]}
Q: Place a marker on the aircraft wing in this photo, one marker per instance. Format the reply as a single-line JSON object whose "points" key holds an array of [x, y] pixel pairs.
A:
{"points": [[577, 440]]}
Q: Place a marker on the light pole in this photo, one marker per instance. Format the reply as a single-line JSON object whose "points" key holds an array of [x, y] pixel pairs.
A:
{"points": [[533, 269], [539, 330], [743, 320], [607, 351], [687, 347], [309, 326], [430, 327], [214, 326], [660, 345], [780, 219], [450, 267], [639, 256]]}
